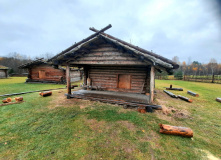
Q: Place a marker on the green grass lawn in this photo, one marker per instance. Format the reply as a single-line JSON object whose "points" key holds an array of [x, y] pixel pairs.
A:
{"points": [[58, 128]]}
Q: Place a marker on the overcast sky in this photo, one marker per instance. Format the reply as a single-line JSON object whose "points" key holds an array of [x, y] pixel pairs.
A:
{"points": [[183, 28]]}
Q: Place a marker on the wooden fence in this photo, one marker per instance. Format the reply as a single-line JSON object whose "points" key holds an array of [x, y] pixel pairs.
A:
{"points": [[204, 78]]}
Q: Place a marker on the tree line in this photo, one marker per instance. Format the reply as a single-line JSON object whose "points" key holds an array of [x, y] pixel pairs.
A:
{"points": [[14, 60], [196, 68]]}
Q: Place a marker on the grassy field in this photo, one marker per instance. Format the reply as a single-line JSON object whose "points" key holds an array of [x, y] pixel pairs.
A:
{"points": [[58, 128]]}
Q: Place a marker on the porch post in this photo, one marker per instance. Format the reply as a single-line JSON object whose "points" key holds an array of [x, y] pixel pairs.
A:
{"points": [[152, 74], [6, 73], [85, 75], [68, 79]]}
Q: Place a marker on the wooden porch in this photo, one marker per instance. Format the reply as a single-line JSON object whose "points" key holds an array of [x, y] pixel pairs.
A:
{"points": [[120, 98]]}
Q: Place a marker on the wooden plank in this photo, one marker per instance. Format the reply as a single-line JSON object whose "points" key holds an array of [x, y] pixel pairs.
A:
{"points": [[68, 79], [152, 74], [5, 104], [109, 62], [124, 81], [13, 94]]}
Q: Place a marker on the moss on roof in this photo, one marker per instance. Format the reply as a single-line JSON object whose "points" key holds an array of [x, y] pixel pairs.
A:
{"points": [[3, 67]]}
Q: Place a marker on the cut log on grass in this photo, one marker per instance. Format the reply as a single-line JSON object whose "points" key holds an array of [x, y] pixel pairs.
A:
{"points": [[177, 89], [170, 94], [218, 99], [144, 109], [185, 98], [13, 94], [5, 104], [7, 100], [176, 130], [192, 93], [18, 99], [44, 94]]}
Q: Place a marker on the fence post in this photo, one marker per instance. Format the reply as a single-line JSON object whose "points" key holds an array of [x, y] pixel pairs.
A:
{"points": [[213, 79]]}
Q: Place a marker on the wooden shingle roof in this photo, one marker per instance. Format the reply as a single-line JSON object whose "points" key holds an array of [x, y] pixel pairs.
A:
{"points": [[143, 54]]}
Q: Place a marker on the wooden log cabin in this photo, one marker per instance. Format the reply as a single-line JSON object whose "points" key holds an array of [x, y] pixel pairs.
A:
{"points": [[3, 71], [41, 71], [111, 64]]}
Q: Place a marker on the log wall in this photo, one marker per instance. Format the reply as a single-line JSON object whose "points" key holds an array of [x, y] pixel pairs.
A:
{"points": [[51, 74], [106, 54], [108, 78], [3, 73], [76, 75]]}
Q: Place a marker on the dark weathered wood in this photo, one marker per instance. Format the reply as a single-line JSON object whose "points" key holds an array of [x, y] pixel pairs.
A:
{"points": [[176, 130], [218, 99], [193, 94], [68, 79], [137, 48], [13, 94], [118, 101], [185, 98], [177, 89], [170, 94], [152, 74], [108, 78]]}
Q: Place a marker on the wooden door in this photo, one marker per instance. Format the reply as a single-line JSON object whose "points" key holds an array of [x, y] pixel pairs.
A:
{"points": [[42, 74], [124, 81]]}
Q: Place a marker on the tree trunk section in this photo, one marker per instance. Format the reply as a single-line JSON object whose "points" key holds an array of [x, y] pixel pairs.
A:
{"points": [[174, 130], [152, 74]]}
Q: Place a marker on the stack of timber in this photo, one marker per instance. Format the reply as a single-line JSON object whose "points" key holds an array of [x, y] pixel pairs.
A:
{"points": [[7, 100], [185, 98], [193, 94], [147, 107], [177, 89], [170, 94], [45, 94], [218, 99], [174, 130]]}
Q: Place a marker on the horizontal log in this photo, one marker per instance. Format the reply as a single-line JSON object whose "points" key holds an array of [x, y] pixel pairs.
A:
{"points": [[118, 68], [192, 93], [45, 94], [170, 94], [176, 130], [11, 103], [106, 58], [218, 99], [115, 73], [109, 62], [185, 98], [177, 89]]}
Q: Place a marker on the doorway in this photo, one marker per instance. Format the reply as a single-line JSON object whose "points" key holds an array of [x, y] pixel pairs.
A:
{"points": [[124, 81]]}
